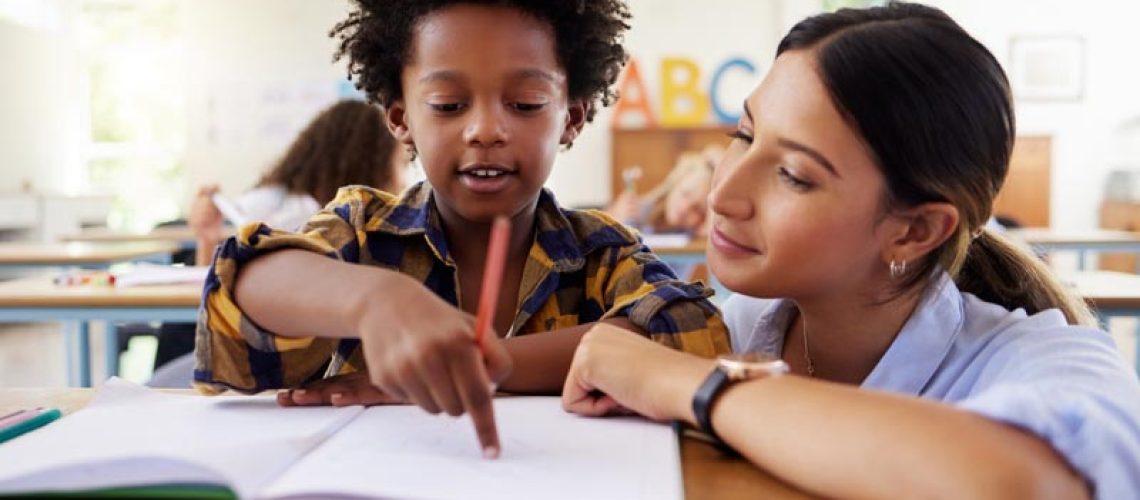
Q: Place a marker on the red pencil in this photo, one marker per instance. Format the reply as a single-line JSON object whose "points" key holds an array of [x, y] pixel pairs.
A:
{"points": [[492, 277]]}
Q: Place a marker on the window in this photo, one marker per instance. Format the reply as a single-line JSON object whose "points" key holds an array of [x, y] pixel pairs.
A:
{"points": [[135, 62]]}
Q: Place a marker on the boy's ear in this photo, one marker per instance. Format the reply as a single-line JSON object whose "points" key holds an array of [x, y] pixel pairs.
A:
{"points": [[920, 230], [397, 118], [575, 120]]}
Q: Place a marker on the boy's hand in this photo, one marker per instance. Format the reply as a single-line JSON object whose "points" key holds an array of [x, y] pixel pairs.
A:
{"points": [[341, 390], [421, 349]]}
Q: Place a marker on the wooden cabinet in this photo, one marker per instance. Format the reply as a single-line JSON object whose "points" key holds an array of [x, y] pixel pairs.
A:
{"points": [[1025, 195], [1125, 216], [655, 150]]}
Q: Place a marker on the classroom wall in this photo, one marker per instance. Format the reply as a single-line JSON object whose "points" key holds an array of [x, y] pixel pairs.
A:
{"points": [[259, 70], [292, 53], [1085, 142], [39, 125], [707, 32]]}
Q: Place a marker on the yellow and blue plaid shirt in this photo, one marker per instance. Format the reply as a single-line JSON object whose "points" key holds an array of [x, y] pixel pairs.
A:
{"points": [[582, 267]]}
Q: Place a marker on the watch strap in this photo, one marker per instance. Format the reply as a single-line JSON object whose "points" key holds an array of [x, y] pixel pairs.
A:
{"points": [[703, 400]]}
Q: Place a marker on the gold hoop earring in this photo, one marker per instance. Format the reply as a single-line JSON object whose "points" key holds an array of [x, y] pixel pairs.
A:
{"points": [[897, 269]]}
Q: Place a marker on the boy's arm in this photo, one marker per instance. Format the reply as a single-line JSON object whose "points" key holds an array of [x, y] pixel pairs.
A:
{"points": [[642, 295], [541, 361]]}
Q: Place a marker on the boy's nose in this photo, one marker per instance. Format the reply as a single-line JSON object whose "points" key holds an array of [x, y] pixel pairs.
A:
{"points": [[486, 127]]}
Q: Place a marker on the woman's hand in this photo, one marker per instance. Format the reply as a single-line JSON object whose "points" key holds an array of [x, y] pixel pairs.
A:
{"points": [[615, 370]]}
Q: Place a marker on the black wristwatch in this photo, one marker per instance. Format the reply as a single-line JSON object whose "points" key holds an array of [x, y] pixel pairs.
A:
{"points": [[731, 368]]}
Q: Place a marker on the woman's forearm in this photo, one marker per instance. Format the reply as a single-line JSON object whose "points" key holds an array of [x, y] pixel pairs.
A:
{"points": [[840, 441]]}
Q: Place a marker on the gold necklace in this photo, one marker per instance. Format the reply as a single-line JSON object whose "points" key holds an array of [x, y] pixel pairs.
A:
{"points": [[807, 350]]}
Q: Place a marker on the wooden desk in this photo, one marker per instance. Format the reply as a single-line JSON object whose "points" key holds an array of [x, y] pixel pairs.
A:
{"points": [[1044, 240], [707, 473], [37, 299], [1110, 294], [84, 254], [181, 235], [695, 249], [177, 234]]}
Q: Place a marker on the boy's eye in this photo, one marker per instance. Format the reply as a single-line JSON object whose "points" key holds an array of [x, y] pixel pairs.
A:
{"points": [[740, 134], [528, 106], [446, 107], [793, 181]]}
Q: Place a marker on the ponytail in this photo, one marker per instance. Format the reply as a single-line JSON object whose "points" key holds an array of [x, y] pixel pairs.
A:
{"points": [[1000, 271]]}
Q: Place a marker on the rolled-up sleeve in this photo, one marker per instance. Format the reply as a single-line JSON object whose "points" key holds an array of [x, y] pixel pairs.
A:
{"points": [[672, 312], [1075, 393], [232, 351]]}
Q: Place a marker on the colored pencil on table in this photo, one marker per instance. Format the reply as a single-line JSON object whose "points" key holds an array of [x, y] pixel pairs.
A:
{"points": [[41, 418]]}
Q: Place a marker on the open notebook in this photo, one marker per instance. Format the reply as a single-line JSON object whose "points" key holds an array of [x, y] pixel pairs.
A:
{"points": [[132, 436]]}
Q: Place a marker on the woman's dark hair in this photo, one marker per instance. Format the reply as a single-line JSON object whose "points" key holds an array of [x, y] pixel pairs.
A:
{"points": [[934, 108], [347, 143], [377, 38]]}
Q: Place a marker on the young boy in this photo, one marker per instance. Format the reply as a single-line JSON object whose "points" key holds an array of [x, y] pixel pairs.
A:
{"points": [[380, 289]]}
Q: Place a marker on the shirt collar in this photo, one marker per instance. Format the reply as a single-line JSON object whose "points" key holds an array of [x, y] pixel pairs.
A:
{"points": [[555, 236], [915, 354]]}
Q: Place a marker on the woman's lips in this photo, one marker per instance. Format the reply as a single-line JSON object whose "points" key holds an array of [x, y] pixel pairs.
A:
{"points": [[726, 245]]}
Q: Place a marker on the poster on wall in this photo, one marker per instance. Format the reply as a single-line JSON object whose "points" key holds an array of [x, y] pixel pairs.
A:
{"points": [[1047, 68]]}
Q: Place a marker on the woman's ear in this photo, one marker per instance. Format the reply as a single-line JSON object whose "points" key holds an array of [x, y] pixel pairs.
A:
{"points": [[575, 120], [396, 117], [920, 230]]}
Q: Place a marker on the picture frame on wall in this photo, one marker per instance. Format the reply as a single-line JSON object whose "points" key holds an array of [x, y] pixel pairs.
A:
{"points": [[1047, 67]]}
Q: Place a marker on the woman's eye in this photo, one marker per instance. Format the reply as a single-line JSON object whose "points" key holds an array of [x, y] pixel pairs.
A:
{"points": [[793, 181], [740, 134]]}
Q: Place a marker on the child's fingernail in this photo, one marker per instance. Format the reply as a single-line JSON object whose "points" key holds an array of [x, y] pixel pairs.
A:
{"points": [[491, 452], [298, 392], [336, 396]]}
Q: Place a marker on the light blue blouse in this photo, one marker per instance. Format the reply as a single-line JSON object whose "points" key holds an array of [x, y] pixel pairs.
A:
{"points": [[1068, 385]]}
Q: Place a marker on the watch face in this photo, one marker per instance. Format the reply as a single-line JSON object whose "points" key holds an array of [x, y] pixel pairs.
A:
{"points": [[743, 366]]}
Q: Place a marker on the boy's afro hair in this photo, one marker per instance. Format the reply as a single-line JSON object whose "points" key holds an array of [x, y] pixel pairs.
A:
{"points": [[377, 38]]}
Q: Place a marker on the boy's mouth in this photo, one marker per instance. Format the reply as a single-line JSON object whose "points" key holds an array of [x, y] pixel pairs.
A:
{"points": [[486, 178]]}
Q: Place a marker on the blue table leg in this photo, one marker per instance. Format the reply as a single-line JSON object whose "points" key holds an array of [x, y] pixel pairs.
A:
{"points": [[84, 354], [69, 348], [77, 342], [111, 350], [1137, 346], [1081, 260]]}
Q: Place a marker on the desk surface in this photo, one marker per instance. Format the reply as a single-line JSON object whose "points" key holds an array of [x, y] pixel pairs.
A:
{"points": [[1106, 289], [1045, 236], [176, 234], [40, 292], [689, 249], [104, 235], [707, 473], [64, 254]]}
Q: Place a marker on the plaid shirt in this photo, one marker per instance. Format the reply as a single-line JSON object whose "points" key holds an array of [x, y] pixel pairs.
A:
{"points": [[583, 267]]}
